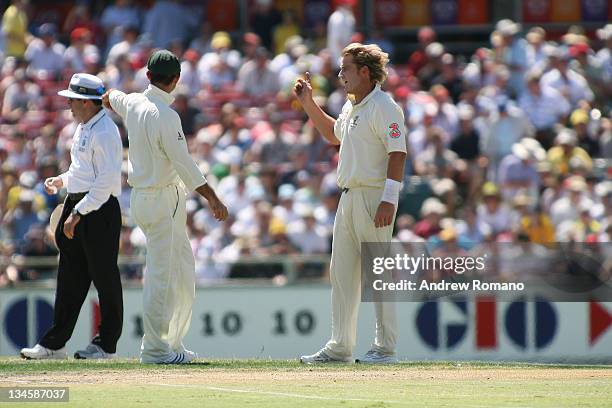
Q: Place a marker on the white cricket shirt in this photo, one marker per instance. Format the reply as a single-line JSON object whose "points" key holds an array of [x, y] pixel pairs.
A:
{"points": [[368, 132], [95, 155], [158, 153]]}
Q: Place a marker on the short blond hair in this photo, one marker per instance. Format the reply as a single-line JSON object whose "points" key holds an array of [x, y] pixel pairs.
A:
{"points": [[371, 56]]}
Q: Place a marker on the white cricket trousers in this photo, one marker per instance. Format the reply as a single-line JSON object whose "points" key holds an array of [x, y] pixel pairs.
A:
{"points": [[353, 225], [169, 279]]}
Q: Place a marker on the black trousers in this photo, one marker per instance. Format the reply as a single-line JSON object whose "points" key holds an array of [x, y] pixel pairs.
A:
{"points": [[90, 256]]}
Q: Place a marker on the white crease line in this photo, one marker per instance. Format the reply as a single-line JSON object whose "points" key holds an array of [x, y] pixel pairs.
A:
{"points": [[282, 394]]}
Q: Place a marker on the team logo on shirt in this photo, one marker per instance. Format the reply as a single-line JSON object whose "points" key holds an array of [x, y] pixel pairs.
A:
{"points": [[180, 136], [353, 122], [395, 132]]}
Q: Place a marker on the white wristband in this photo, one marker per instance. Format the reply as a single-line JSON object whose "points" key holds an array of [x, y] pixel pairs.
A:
{"points": [[391, 192]]}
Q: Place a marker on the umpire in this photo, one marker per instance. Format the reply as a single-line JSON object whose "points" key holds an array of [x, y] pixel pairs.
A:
{"points": [[87, 234]]}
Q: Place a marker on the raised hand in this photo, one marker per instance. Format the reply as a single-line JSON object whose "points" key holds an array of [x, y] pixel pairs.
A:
{"points": [[303, 88]]}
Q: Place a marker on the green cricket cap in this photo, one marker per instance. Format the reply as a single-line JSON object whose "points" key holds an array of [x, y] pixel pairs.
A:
{"points": [[163, 62]]}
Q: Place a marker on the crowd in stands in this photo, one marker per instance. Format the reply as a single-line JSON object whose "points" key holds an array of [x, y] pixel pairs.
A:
{"points": [[512, 143]]}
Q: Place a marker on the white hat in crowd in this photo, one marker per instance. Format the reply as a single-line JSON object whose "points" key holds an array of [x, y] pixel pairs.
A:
{"points": [[507, 27]]}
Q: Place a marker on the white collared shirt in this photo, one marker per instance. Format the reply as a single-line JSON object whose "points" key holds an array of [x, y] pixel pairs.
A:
{"points": [[573, 85], [95, 167], [546, 110], [368, 132], [158, 153]]}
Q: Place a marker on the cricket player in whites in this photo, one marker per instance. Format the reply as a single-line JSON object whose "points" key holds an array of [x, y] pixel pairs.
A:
{"points": [[158, 161], [372, 138]]}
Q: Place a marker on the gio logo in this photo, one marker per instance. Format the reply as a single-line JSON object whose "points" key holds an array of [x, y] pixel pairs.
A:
{"points": [[600, 321], [16, 320], [439, 335]]}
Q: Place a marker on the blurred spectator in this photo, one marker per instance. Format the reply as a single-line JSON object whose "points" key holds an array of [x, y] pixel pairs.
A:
{"points": [[467, 147], [536, 224], [325, 212], [168, 21], [447, 117], [566, 208], [505, 127], [15, 29], [421, 134], [377, 36], [535, 47], [285, 210], [472, 231], [80, 16], [568, 82], [216, 67], [604, 55], [189, 72], [498, 90], [602, 210], [126, 46], [418, 59], [35, 244], [307, 236], [449, 78], [588, 66], [433, 64], [201, 43], [274, 147], [432, 212], [20, 153], [514, 53], [250, 43], [264, 20], [492, 211], [186, 111], [45, 55], [545, 107], [117, 19], [20, 97], [285, 29], [120, 75], [21, 219], [579, 119], [80, 50], [340, 28], [566, 151], [518, 172], [256, 78], [479, 72], [585, 227]]}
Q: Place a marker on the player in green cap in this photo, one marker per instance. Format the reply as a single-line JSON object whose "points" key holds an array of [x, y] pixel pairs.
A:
{"points": [[160, 172]]}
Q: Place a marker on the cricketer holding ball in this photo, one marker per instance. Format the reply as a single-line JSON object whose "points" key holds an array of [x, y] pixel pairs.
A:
{"points": [[158, 161], [372, 138]]}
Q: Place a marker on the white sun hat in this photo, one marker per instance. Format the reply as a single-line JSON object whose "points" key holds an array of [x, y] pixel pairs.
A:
{"points": [[84, 86]]}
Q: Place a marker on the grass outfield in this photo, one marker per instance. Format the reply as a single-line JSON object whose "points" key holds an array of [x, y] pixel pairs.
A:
{"points": [[273, 383]]}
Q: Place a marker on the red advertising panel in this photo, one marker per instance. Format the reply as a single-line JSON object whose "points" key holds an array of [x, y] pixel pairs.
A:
{"points": [[536, 11], [473, 12]]}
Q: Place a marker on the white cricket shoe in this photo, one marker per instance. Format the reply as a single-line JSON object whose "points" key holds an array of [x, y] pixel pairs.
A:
{"points": [[321, 357], [93, 352], [377, 357], [191, 354], [184, 357], [39, 352]]}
